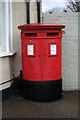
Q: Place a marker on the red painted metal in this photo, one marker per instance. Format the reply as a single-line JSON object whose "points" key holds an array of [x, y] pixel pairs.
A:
{"points": [[41, 66]]}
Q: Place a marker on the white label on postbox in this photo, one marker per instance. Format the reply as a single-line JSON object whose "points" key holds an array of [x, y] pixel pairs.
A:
{"points": [[30, 49], [53, 49]]}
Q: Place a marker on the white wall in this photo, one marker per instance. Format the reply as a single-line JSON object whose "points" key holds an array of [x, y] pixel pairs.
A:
{"points": [[11, 65], [19, 18], [33, 12], [70, 46], [6, 71]]}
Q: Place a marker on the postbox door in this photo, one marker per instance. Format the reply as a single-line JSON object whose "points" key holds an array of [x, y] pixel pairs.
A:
{"points": [[32, 60], [51, 59]]}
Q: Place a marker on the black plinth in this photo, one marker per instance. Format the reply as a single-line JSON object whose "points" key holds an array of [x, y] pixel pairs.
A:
{"points": [[44, 91]]}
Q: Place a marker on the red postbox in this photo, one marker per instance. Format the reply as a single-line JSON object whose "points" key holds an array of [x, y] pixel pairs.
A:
{"points": [[42, 61]]}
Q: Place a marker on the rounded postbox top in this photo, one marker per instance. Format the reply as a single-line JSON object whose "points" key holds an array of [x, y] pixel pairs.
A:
{"points": [[41, 26]]}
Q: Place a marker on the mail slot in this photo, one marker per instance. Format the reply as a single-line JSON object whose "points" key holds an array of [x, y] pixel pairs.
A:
{"points": [[42, 61]]}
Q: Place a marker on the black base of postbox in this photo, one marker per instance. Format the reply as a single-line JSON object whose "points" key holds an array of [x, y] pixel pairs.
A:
{"points": [[43, 91]]}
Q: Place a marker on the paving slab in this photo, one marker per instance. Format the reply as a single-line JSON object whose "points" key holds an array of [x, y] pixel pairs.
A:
{"points": [[18, 107]]}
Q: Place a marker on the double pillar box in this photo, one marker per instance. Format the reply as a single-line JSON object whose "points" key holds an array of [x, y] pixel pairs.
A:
{"points": [[42, 61]]}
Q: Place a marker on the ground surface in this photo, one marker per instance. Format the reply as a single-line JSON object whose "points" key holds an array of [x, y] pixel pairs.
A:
{"points": [[18, 107]]}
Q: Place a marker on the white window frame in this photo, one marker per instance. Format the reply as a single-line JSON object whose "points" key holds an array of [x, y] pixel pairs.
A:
{"points": [[8, 29]]}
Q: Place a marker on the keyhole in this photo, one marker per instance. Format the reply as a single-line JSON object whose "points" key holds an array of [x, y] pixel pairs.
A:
{"points": [[39, 55], [44, 55]]}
